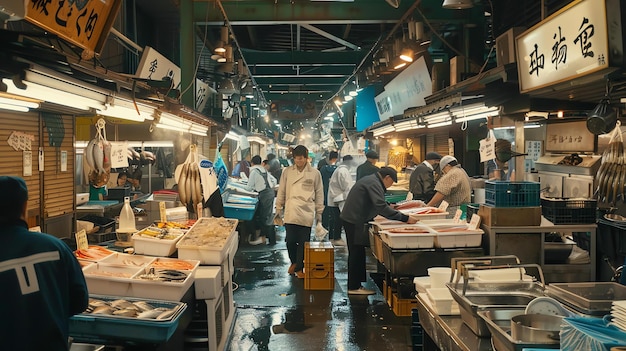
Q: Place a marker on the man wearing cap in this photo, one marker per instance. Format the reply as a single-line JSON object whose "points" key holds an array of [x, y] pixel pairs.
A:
{"points": [[422, 180], [453, 186], [366, 200], [369, 166], [42, 283]]}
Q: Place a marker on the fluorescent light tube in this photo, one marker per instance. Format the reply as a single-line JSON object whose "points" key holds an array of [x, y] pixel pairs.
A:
{"points": [[10, 107], [18, 102], [440, 124]]}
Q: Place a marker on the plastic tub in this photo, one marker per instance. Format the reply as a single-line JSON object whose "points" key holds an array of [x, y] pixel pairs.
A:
{"points": [[439, 276], [109, 279], [127, 260], [153, 246], [407, 240]]}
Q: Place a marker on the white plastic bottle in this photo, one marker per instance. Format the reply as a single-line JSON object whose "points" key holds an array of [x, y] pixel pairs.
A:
{"points": [[127, 218]]}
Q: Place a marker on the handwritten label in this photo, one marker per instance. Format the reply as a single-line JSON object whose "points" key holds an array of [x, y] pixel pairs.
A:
{"points": [[81, 240], [119, 155], [27, 163], [162, 211], [474, 222], [487, 149], [63, 161], [443, 206], [457, 216]]}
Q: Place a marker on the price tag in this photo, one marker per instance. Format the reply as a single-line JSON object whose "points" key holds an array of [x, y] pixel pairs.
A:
{"points": [[41, 160], [457, 216], [199, 210], [81, 240], [474, 222], [443, 206], [162, 212]]}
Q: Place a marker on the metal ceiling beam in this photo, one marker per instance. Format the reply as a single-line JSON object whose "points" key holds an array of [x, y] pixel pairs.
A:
{"points": [[261, 12], [330, 36], [302, 57], [338, 80]]}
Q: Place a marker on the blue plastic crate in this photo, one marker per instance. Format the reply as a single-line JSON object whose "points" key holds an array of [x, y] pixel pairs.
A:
{"points": [[86, 327], [244, 214], [512, 194]]}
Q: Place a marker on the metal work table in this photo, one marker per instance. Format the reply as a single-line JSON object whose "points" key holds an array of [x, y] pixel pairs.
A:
{"points": [[449, 333], [527, 243]]}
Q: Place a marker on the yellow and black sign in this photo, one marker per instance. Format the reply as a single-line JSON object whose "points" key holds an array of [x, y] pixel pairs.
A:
{"points": [[85, 23]]}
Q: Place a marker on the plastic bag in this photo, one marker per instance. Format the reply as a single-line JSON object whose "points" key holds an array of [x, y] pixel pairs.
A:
{"points": [[590, 334], [320, 232]]}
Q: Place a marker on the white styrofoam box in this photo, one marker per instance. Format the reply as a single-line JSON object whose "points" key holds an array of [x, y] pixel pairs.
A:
{"points": [[442, 301], [128, 260], [465, 238], [210, 255], [419, 240], [106, 279], [208, 282], [154, 247], [421, 284]]}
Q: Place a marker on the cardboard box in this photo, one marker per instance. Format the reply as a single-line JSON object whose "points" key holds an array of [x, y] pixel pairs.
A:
{"points": [[509, 216]]}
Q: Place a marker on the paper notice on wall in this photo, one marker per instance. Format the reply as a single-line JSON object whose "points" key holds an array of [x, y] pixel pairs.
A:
{"points": [[27, 162], [63, 161], [41, 160], [119, 154]]}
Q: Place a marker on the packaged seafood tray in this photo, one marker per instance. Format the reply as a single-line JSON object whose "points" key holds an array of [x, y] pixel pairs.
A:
{"points": [[208, 241], [90, 327], [156, 241], [165, 278], [455, 235], [408, 237], [109, 279]]}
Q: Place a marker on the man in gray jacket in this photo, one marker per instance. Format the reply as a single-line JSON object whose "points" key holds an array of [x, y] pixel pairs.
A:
{"points": [[366, 200]]}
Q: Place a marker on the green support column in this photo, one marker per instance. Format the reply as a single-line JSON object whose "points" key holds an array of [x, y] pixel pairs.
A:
{"points": [[187, 53]]}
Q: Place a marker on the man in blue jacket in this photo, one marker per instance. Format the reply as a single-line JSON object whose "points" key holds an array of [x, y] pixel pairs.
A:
{"points": [[41, 282], [366, 200]]}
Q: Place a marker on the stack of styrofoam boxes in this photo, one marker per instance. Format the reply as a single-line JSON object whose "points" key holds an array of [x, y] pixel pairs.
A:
{"points": [[319, 266], [214, 285]]}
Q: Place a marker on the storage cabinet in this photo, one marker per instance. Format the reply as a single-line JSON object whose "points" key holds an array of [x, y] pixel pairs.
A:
{"points": [[528, 243]]}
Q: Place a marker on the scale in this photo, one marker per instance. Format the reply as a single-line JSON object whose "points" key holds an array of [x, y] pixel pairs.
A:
{"points": [[124, 239], [548, 306]]}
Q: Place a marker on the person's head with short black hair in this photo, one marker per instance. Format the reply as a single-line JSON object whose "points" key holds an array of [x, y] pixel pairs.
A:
{"points": [[333, 155], [256, 160], [122, 178], [135, 178], [270, 157], [14, 198], [388, 175], [300, 156]]}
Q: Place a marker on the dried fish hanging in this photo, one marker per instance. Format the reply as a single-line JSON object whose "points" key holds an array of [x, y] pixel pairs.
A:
{"points": [[610, 178], [97, 157], [187, 177]]}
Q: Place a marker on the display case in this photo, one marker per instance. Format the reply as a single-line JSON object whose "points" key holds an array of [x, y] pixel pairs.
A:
{"points": [[528, 243]]}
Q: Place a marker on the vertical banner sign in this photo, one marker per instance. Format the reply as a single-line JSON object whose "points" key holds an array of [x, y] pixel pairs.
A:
{"points": [[202, 94], [83, 23], [27, 163], [571, 43], [63, 161]]}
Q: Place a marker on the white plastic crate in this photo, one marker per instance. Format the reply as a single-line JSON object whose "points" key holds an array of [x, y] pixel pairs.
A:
{"points": [[172, 290], [101, 280], [128, 260], [211, 255], [409, 240], [154, 247], [466, 238]]}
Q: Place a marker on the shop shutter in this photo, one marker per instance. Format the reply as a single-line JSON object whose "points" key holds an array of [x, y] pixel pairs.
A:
{"points": [[58, 186], [11, 160], [437, 142]]}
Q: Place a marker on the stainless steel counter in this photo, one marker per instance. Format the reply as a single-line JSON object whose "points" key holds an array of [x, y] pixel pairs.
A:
{"points": [[449, 333]]}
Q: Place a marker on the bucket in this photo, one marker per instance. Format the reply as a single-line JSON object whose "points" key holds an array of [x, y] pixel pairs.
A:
{"points": [[439, 276]]}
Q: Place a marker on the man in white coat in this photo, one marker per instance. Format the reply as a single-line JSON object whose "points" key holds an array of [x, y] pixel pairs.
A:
{"points": [[338, 188], [301, 196]]}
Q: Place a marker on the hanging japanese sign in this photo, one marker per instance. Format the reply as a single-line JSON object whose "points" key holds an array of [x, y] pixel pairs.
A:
{"points": [[155, 66], [84, 23], [572, 42]]}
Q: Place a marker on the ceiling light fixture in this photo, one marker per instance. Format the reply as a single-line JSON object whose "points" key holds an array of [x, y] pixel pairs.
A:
{"points": [[407, 55], [220, 46], [602, 119], [457, 4], [398, 63]]}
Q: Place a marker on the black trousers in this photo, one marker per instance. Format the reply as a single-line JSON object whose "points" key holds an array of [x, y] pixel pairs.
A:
{"points": [[356, 258], [296, 236], [334, 223]]}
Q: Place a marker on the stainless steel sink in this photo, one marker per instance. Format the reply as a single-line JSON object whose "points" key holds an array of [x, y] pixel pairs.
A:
{"points": [[498, 322], [500, 300]]}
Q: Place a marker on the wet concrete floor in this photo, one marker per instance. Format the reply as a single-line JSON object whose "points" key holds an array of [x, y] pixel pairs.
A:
{"points": [[274, 312]]}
